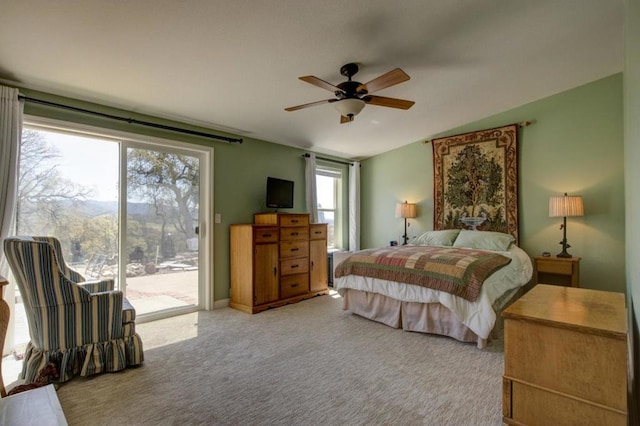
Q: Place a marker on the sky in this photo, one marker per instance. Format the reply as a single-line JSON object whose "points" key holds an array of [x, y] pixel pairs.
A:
{"points": [[90, 162]]}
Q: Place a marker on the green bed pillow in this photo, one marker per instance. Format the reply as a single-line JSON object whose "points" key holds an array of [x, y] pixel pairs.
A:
{"points": [[484, 240], [446, 237]]}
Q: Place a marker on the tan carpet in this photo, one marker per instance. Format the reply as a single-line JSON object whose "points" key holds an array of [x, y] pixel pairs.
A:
{"points": [[305, 364]]}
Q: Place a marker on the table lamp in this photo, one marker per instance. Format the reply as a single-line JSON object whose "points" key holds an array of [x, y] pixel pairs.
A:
{"points": [[565, 206], [405, 211]]}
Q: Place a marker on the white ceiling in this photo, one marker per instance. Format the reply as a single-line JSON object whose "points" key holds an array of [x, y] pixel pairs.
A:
{"points": [[234, 65]]}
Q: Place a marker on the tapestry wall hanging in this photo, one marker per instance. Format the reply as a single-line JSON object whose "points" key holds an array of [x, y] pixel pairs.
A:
{"points": [[476, 181]]}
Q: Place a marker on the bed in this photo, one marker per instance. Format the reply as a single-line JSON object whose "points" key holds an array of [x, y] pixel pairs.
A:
{"points": [[466, 314]]}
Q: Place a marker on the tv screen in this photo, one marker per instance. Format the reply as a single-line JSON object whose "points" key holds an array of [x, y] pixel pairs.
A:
{"points": [[279, 193]]}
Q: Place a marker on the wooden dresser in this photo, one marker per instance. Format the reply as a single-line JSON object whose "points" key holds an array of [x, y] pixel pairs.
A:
{"points": [[279, 259], [565, 355]]}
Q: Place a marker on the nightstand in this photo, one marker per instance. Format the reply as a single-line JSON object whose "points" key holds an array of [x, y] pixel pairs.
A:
{"points": [[557, 270]]}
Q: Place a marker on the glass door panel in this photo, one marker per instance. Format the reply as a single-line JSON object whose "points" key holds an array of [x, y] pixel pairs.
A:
{"points": [[68, 189], [162, 216]]}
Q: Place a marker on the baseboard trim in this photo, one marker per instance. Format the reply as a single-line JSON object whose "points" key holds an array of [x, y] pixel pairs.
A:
{"points": [[223, 303]]}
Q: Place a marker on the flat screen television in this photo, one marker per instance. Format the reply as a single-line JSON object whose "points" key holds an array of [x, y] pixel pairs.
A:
{"points": [[279, 193]]}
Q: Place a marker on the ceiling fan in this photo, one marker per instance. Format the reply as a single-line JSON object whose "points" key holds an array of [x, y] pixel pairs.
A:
{"points": [[351, 96]]}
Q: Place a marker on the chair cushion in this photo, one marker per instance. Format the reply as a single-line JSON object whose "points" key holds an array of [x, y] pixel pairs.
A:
{"points": [[128, 312]]}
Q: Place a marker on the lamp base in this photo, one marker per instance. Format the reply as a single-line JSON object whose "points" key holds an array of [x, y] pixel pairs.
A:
{"points": [[405, 237], [565, 246]]}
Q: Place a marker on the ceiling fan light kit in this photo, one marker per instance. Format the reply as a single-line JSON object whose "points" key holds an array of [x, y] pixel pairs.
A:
{"points": [[352, 96], [349, 107]]}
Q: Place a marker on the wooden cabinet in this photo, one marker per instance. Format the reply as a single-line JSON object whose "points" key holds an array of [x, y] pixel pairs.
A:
{"points": [[254, 265], [266, 273], [557, 270], [565, 358], [277, 260], [318, 274]]}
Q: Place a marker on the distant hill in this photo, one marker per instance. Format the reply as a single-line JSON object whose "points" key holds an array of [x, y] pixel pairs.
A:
{"points": [[93, 208]]}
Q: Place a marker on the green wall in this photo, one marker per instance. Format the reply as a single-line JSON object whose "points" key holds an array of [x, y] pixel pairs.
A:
{"points": [[240, 170], [632, 196], [574, 145]]}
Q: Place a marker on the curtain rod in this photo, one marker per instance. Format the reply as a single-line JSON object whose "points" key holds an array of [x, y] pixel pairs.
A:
{"points": [[522, 124], [129, 120], [329, 160]]}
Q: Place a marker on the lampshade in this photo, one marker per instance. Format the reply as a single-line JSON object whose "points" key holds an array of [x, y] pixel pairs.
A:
{"points": [[406, 210], [349, 107], [566, 206]]}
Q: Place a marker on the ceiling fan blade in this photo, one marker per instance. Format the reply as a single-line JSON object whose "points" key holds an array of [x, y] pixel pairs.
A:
{"points": [[389, 79], [297, 107], [344, 119], [320, 83], [388, 102]]}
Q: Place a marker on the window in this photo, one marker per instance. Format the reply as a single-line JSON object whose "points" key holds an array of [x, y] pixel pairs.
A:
{"points": [[329, 187]]}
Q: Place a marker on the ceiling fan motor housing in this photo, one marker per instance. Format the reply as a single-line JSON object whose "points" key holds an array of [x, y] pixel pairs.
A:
{"points": [[350, 90]]}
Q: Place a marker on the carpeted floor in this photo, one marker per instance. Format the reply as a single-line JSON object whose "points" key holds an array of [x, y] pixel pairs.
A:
{"points": [[305, 364]]}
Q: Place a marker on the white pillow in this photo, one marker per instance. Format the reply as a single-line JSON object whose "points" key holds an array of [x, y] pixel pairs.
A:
{"points": [[445, 237], [484, 240]]}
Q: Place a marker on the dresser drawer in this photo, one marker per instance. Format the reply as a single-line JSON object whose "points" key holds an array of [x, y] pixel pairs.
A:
{"points": [[294, 219], [524, 407], [318, 232], [265, 234], [294, 285], [554, 267], [294, 266], [294, 233], [294, 249], [547, 357]]}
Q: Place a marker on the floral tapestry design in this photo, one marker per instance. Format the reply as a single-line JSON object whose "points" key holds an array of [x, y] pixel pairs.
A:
{"points": [[476, 181]]}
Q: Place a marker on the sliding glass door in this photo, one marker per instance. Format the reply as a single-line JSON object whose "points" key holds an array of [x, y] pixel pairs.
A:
{"points": [[128, 209], [162, 216]]}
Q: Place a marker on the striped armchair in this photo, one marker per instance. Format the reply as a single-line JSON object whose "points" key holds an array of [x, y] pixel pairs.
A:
{"points": [[83, 327]]}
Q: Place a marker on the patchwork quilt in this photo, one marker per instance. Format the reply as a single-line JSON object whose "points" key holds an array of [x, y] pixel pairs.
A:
{"points": [[457, 271]]}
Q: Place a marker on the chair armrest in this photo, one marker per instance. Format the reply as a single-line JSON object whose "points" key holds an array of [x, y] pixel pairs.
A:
{"points": [[98, 286]]}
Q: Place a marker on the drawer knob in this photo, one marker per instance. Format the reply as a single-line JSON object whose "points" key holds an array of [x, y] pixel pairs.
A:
{"points": [[294, 285], [295, 234], [295, 249], [266, 235], [294, 266]]}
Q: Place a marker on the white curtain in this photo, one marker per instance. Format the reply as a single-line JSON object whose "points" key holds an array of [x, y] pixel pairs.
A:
{"points": [[310, 179], [10, 133], [354, 206]]}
